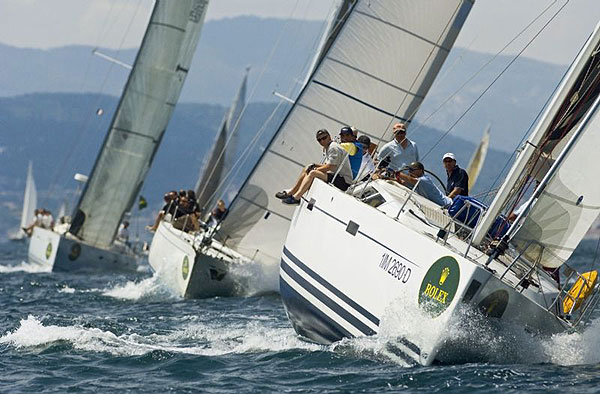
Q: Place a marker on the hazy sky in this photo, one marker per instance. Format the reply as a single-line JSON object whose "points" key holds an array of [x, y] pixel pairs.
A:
{"points": [[120, 23]]}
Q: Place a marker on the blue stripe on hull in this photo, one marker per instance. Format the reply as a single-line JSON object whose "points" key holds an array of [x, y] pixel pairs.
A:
{"points": [[307, 320]]}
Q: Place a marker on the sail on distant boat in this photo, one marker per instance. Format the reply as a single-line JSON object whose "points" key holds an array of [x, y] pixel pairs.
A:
{"points": [[210, 183], [478, 158], [137, 128], [29, 204]]}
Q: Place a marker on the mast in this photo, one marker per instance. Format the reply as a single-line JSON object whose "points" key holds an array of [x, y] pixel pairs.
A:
{"points": [[139, 123]]}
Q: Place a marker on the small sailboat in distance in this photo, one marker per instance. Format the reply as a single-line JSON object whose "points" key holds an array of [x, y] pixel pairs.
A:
{"points": [[478, 158], [29, 205]]}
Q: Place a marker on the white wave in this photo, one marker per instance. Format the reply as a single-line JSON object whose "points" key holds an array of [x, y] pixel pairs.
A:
{"points": [[66, 289], [210, 339], [576, 347], [25, 267], [149, 288]]}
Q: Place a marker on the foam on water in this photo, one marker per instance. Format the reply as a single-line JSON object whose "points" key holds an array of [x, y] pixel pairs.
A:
{"points": [[24, 267], [257, 278], [146, 289], [66, 290], [207, 339], [471, 337]]}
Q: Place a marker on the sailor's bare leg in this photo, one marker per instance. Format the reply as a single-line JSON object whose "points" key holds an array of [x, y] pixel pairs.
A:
{"points": [[307, 182]]}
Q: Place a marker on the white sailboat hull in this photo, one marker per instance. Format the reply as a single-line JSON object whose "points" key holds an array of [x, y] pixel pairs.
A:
{"points": [[61, 254], [187, 271], [345, 265]]}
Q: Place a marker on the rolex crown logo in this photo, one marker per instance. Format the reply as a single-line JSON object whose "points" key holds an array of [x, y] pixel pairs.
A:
{"points": [[444, 275]]}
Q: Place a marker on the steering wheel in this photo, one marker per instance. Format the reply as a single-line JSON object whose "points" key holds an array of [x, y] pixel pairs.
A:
{"points": [[438, 179]]}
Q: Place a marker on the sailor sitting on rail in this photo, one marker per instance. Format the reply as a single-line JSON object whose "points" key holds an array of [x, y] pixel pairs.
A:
{"points": [[335, 156], [424, 185]]}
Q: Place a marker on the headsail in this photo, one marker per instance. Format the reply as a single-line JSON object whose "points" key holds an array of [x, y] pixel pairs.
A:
{"points": [[567, 201], [572, 100], [210, 181], [376, 71], [137, 128]]}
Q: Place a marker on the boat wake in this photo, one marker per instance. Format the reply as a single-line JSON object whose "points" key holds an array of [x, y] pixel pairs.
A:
{"points": [[149, 289], [24, 267], [198, 338]]}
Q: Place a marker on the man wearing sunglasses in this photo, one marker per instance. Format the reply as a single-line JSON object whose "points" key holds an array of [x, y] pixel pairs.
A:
{"points": [[334, 157]]}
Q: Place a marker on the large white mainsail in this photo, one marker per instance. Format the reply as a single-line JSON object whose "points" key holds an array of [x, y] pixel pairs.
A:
{"points": [[137, 128], [210, 183], [358, 82]]}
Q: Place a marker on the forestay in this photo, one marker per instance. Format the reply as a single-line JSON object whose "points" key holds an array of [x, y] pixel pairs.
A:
{"points": [[137, 128], [377, 71], [569, 199], [222, 157]]}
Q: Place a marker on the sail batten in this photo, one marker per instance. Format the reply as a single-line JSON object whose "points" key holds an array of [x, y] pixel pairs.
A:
{"points": [[375, 72], [140, 120]]}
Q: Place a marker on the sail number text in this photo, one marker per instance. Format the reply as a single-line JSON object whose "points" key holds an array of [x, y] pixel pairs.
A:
{"points": [[394, 267]]}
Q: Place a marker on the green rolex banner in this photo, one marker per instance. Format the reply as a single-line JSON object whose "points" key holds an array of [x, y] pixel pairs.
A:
{"points": [[142, 203]]}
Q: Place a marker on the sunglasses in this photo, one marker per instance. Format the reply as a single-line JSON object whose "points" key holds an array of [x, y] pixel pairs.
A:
{"points": [[322, 138]]}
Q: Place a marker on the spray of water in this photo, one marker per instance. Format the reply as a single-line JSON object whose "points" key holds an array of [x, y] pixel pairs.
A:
{"points": [[149, 289], [24, 267], [256, 278]]}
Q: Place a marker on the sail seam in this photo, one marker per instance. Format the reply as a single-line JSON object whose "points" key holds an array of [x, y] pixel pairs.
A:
{"points": [[134, 133], [404, 30], [375, 77], [570, 202], [168, 26], [359, 100]]}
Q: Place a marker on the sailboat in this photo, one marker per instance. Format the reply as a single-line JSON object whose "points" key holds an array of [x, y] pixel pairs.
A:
{"points": [[136, 130], [382, 245], [29, 205], [197, 265], [478, 158]]}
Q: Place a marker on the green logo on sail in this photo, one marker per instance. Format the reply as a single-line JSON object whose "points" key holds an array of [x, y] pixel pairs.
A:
{"points": [[185, 267], [48, 250], [439, 286]]}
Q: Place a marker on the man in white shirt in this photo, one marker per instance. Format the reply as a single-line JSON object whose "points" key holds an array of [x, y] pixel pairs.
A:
{"points": [[400, 151], [334, 157], [123, 233]]}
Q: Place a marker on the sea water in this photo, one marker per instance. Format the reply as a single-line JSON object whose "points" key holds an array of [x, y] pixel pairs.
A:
{"points": [[61, 333]]}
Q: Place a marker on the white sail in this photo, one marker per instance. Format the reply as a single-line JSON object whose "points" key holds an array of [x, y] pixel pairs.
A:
{"points": [[29, 201], [222, 157], [478, 158], [376, 72], [567, 201], [137, 128], [530, 152]]}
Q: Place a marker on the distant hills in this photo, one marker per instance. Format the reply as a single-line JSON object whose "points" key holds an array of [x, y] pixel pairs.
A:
{"points": [[227, 46]]}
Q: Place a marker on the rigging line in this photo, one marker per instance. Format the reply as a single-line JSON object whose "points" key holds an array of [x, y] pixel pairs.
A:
{"points": [[237, 122], [496, 79], [424, 122], [60, 169]]}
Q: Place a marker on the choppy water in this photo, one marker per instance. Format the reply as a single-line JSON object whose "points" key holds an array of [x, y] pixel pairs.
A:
{"points": [[62, 333]]}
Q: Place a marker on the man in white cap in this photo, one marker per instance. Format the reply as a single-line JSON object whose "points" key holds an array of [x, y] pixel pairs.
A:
{"points": [[458, 179]]}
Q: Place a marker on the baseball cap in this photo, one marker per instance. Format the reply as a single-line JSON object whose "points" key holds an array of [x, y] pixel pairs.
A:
{"points": [[416, 165], [322, 132], [346, 130], [449, 155]]}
